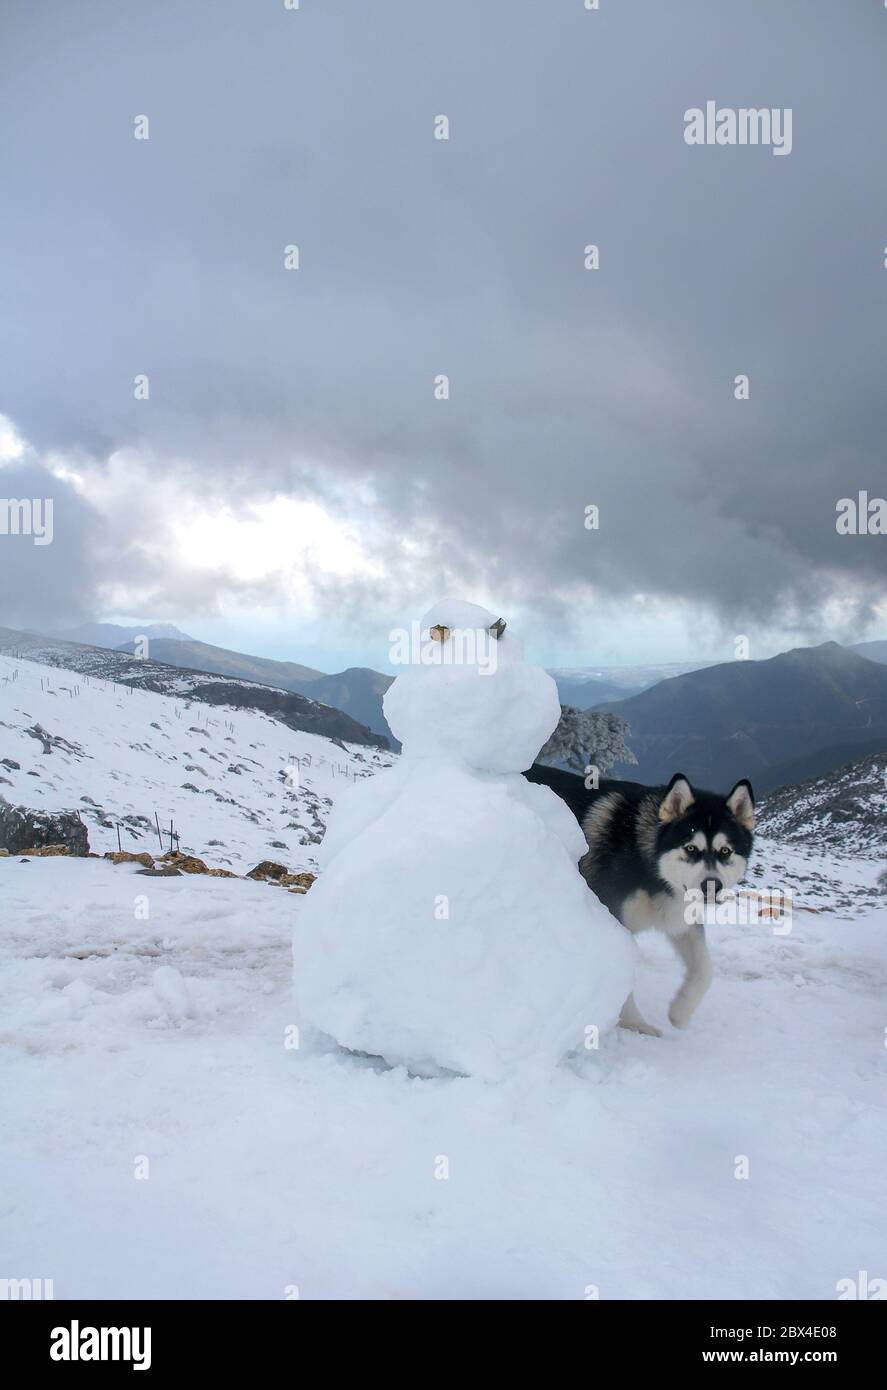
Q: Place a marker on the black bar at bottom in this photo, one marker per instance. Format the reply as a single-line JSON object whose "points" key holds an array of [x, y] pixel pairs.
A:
{"points": [[163, 1337]]}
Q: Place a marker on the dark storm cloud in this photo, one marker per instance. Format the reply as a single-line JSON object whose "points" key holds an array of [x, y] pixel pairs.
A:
{"points": [[49, 547], [418, 257]]}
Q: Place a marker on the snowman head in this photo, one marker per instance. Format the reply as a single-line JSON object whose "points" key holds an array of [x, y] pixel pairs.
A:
{"points": [[467, 695]]}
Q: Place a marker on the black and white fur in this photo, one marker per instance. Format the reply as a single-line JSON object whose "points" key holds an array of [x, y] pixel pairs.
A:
{"points": [[651, 852]]}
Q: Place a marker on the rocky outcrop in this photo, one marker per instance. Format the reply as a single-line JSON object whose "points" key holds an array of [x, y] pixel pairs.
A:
{"points": [[33, 834], [23, 829], [268, 870], [297, 883], [125, 856], [186, 863]]}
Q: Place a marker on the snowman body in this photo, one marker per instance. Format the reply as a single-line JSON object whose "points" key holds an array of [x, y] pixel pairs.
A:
{"points": [[449, 927]]}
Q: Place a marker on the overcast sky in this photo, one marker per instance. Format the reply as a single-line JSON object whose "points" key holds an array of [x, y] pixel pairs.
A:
{"points": [[292, 486]]}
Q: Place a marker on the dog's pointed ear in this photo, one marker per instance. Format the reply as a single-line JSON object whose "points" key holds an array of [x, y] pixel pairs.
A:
{"points": [[678, 798], [741, 803]]}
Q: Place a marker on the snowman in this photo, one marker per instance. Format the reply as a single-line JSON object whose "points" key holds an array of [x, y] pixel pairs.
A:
{"points": [[449, 928]]}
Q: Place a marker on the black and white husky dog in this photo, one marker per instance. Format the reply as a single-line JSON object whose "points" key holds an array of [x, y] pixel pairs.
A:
{"points": [[655, 856]]}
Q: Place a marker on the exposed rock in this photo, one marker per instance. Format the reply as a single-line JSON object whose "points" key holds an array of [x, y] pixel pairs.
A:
{"points": [[187, 863], [166, 872], [24, 829], [50, 741], [226, 800], [124, 856], [37, 731], [222, 873], [302, 881], [44, 851], [11, 764], [267, 869]]}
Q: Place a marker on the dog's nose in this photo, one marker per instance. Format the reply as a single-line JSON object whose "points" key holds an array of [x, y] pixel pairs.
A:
{"points": [[711, 887]]}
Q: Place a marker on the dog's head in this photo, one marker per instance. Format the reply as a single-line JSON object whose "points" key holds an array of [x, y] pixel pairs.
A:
{"points": [[703, 840]]}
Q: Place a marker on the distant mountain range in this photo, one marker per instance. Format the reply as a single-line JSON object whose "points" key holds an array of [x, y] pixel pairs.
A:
{"points": [[874, 651], [797, 715], [358, 691], [115, 634], [203, 656], [576, 683], [752, 718], [583, 692]]}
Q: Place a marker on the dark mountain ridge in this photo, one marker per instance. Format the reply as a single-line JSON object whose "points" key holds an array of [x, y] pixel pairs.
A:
{"points": [[746, 718]]}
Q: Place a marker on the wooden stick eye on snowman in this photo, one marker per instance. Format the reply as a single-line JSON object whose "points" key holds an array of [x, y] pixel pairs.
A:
{"points": [[449, 929]]}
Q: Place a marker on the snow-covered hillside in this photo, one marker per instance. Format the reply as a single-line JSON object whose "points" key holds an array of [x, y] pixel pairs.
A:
{"points": [[297, 711], [103, 663], [844, 810], [238, 785]]}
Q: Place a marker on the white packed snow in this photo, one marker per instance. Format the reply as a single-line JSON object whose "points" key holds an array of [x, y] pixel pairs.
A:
{"points": [[273, 1167], [450, 928], [493, 712]]}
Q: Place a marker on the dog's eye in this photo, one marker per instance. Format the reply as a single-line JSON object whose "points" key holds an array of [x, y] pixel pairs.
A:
{"points": [[691, 850], [724, 852]]}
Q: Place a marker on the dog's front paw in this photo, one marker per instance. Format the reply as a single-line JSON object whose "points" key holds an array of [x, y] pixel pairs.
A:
{"points": [[679, 1014], [643, 1027]]}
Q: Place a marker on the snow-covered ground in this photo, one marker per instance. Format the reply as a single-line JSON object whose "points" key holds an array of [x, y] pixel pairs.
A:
{"points": [[272, 1166], [127, 755], [162, 1138]]}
